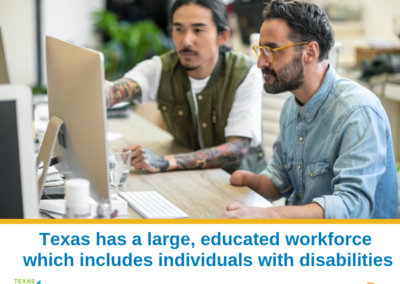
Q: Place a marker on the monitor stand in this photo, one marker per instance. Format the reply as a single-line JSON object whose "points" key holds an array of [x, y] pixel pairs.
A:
{"points": [[49, 141]]}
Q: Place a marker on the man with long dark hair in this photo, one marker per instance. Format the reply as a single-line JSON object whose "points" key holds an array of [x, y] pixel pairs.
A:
{"points": [[334, 155], [209, 96]]}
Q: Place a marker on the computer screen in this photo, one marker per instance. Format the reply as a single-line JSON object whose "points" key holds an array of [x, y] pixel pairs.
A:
{"points": [[4, 78], [18, 187], [75, 81]]}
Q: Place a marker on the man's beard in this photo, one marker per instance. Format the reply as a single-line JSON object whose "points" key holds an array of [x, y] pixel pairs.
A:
{"points": [[289, 78], [189, 68]]}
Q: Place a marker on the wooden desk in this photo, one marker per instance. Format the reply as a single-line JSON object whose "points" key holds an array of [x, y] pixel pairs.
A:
{"points": [[201, 194]]}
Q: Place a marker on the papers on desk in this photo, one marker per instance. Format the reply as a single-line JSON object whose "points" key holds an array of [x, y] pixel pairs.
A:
{"points": [[120, 105], [55, 208], [113, 136]]}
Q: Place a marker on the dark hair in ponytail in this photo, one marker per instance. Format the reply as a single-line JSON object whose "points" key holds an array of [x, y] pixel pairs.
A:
{"points": [[217, 8]]}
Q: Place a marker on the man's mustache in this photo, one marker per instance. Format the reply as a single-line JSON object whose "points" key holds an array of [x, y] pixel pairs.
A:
{"points": [[267, 71], [187, 50]]}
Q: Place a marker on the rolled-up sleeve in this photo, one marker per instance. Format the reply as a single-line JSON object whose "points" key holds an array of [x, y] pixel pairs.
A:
{"points": [[147, 75], [360, 165], [245, 116], [276, 172]]}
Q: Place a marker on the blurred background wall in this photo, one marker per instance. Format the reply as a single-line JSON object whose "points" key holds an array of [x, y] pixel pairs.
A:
{"points": [[17, 18], [356, 22], [67, 20]]}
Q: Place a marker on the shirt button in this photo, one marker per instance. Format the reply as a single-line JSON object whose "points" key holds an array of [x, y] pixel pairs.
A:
{"points": [[301, 139], [302, 195], [260, 154], [180, 113], [312, 174], [164, 108], [204, 125], [286, 166], [199, 97], [299, 167]]}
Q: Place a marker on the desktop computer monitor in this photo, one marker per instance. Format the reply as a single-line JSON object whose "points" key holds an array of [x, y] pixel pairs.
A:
{"points": [[18, 185], [75, 82], [4, 78]]}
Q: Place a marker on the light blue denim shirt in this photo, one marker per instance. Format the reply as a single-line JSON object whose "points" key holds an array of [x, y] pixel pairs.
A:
{"points": [[337, 151]]}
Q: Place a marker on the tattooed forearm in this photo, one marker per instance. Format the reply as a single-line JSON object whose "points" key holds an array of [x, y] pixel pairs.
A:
{"points": [[122, 90], [227, 156]]}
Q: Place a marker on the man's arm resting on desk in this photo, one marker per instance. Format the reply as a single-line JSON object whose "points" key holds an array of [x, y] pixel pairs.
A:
{"points": [[227, 155], [237, 210], [264, 186], [120, 91]]}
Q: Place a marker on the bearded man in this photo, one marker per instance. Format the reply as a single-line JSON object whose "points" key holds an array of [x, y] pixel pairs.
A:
{"points": [[334, 155]]}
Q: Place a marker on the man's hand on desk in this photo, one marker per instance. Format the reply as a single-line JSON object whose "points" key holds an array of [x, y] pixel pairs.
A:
{"points": [[264, 186], [236, 210], [144, 158]]}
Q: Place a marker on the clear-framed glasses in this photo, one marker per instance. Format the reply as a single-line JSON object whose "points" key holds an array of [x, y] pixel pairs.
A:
{"points": [[269, 52]]}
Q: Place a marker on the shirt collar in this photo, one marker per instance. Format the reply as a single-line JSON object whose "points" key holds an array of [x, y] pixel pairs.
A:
{"points": [[313, 105]]}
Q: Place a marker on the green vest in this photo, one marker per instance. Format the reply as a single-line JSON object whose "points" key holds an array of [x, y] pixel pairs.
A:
{"points": [[175, 100]]}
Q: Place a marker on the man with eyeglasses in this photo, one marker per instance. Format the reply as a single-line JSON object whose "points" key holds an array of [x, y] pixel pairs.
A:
{"points": [[209, 96], [334, 155]]}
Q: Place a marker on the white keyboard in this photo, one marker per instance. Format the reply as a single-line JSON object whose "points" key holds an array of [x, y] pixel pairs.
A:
{"points": [[152, 205]]}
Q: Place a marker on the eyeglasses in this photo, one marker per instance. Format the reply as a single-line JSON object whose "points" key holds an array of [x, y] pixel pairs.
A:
{"points": [[269, 52]]}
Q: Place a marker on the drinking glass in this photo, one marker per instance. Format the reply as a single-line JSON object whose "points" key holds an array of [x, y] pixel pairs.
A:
{"points": [[119, 160]]}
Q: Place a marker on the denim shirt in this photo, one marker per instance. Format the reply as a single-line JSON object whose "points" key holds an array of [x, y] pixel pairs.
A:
{"points": [[336, 150]]}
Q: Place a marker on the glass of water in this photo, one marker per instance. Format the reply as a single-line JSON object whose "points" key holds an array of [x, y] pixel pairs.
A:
{"points": [[120, 161]]}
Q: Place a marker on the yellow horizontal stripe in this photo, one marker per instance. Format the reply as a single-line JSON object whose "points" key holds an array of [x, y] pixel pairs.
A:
{"points": [[196, 222]]}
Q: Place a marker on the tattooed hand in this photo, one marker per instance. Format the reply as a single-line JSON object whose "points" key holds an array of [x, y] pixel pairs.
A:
{"points": [[143, 158]]}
